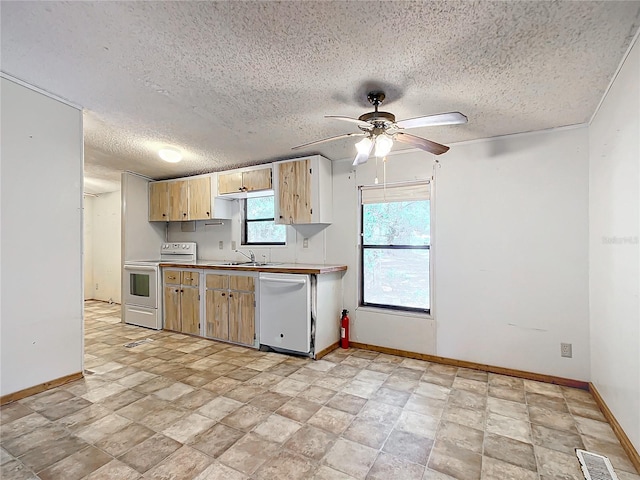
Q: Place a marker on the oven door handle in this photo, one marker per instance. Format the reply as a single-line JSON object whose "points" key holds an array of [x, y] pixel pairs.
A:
{"points": [[134, 267]]}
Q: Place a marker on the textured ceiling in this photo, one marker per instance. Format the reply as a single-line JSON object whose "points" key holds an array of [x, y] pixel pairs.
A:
{"points": [[238, 83]]}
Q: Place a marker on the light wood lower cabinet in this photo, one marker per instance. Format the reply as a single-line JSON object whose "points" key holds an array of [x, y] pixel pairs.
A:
{"points": [[182, 301], [230, 308], [217, 317]]}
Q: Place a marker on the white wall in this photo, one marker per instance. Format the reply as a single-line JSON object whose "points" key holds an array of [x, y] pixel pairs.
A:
{"points": [[614, 200], [41, 317], [510, 253], [106, 244], [88, 248], [140, 238]]}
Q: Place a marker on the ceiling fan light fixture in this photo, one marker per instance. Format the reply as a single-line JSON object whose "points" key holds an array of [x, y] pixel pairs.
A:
{"points": [[383, 145], [170, 155], [364, 146]]}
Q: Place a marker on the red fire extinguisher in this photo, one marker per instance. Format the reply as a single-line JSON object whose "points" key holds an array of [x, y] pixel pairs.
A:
{"points": [[344, 330]]}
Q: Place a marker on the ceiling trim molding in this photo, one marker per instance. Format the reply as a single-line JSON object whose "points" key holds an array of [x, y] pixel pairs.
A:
{"points": [[615, 75], [53, 96]]}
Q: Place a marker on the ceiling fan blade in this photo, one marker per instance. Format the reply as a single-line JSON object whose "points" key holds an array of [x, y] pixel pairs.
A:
{"points": [[361, 123], [422, 143], [337, 137], [451, 118]]}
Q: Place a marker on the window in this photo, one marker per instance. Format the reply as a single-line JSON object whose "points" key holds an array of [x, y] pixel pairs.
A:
{"points": [[395, 247], [258, 226]]}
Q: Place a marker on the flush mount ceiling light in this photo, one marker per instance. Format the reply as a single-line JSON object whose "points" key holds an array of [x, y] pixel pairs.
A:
{"points": [[380, 129], [170, 155]]}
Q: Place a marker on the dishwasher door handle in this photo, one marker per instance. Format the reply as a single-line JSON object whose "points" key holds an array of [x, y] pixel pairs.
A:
{"points": [[283, 280]]}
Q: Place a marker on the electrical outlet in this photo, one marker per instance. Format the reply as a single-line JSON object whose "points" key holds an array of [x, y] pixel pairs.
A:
{"points": [[233, 245], [96, 286], [220, 244], [565, 350], [305, 243]]}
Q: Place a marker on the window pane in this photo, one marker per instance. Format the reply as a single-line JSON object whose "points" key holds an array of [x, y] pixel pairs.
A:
{"points": [[260, 207], [266, 232], [396, 277], [397, 223]]}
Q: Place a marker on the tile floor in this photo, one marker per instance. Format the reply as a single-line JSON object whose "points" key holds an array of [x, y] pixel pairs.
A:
{"points": [[184, 408]]}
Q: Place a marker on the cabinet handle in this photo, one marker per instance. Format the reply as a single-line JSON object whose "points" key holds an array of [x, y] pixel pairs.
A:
{"points": [[181, 291], [223, 294], [177, 290], [184, 214], [231, 295], [207, 214], [164, 214]]}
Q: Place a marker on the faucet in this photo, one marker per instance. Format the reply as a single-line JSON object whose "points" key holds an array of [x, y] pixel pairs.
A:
{"points": [[251, 257]]}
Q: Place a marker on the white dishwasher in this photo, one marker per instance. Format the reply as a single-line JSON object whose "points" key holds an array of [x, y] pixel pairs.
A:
{"points": [[285, 311]]}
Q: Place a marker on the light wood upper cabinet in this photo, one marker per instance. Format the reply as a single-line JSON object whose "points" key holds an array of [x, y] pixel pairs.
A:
{"points": [[158, 202], [183, 200], [199, 198], [178, 200], [229, 182], [304, 191], [244, 181], [294, 193], [253, 180]]}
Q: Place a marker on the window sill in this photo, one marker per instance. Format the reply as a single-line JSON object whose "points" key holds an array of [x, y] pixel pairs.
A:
{"points": [[396, 313]]}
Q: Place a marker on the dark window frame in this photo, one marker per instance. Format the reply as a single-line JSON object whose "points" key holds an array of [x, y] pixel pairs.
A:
{"points": [[245, 221], [364, 247]]}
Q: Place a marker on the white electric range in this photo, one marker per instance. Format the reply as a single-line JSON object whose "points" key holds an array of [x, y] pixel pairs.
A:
{"points": [[142, 285]]}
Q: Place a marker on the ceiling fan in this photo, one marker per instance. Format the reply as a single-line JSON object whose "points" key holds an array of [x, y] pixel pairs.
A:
{"points": [[380, 129]]}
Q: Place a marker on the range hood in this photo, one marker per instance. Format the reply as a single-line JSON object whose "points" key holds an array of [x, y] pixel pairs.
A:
{"points": [[241, 195]]}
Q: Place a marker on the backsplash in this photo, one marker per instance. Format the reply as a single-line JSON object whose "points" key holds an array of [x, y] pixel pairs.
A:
{"points": [[209, 233]]}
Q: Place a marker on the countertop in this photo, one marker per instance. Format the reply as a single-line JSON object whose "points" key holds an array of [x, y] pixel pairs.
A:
{"points": [[300, 268]]}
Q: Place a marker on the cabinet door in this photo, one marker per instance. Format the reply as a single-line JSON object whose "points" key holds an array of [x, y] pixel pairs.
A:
{"points": [[229, 182], [158, 202], [294, 192], [217, 314], [214, 280], [190, 279], [190, 310], [257, 179], [178, 201], [242, 283], [171, 277], [200, 198], [242, 314], [172, 307]]}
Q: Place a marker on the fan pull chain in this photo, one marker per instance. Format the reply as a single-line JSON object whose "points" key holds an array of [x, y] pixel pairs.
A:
{"points": [[375, 181], [384, 175]]}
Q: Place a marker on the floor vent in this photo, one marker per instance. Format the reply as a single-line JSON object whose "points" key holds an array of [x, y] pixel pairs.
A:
{"points": [[137, 342], [595, 467]]}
